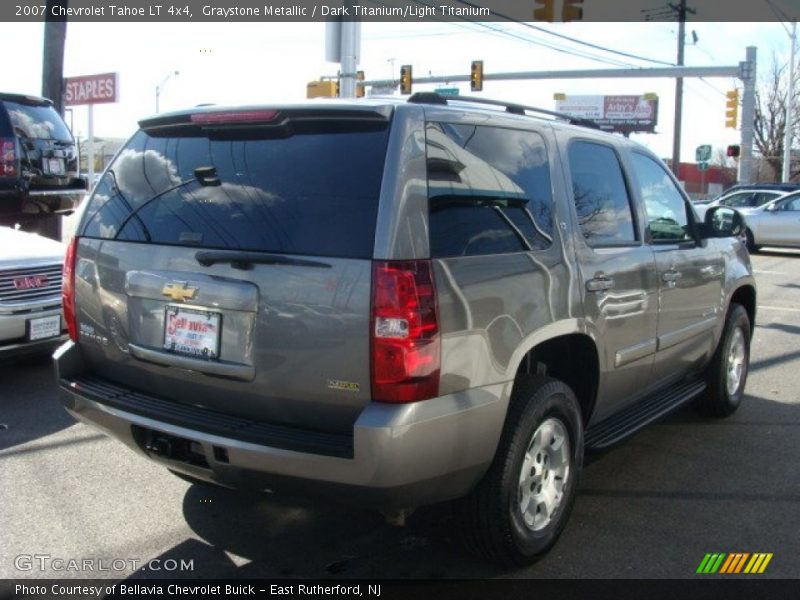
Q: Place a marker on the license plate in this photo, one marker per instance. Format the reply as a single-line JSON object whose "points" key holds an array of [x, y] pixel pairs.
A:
{"points": [[191, 331], [55, 166], [44, 327]]}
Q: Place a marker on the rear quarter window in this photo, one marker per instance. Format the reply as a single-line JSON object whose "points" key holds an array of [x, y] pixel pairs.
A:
{"points": [[489, 190]]}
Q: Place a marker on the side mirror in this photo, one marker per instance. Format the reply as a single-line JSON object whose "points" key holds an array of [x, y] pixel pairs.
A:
{"points": [[721, 221]]}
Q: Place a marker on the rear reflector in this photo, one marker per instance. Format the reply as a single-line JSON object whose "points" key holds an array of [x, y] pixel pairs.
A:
{"points": [[406, 347], [234, 116], [68, 289]]}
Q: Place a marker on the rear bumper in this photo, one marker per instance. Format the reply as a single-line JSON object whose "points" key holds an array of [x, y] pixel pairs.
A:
{"points": [[33, 201], [402, 456]]}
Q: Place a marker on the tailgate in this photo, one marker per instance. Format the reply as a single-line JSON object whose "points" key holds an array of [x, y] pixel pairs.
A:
{"points": [[231, 270]]}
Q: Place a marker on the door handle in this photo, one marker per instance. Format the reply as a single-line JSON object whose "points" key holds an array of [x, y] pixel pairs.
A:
{"points": [[601, 283], [670, 276]]}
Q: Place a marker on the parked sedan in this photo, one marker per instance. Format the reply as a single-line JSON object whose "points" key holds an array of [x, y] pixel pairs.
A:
{"points": [[742, 200], [776, 223], [30, 292]]}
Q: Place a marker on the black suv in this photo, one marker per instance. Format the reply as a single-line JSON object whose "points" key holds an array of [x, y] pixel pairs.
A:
{"points": [[38, 161]]}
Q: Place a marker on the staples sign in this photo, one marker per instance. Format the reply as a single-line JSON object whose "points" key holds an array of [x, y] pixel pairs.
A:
{"points": [[91, 89]]}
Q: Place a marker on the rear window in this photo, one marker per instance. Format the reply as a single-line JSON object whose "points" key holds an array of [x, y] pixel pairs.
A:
{"points": [[308, 193], [36, 122]]}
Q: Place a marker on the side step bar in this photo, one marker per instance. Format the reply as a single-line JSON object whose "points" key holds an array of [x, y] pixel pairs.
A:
{"points": [[636, 416]]}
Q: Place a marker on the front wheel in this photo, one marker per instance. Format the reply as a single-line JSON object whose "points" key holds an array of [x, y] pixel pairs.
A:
{"points": [[751, 242], [519, 509], [727, 373]]}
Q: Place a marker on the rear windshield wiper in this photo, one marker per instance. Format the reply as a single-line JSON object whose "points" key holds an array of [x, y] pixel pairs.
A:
{"points": [[446, 200], [244, 260]]}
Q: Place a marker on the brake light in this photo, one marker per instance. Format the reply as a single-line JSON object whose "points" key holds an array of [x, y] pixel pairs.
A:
{"points": [[406, 346], [68, 289], [8, 157], [233, 116]]}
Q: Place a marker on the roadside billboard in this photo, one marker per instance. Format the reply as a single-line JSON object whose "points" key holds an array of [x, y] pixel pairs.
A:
{"points": [[622, 114], [91, 89]]}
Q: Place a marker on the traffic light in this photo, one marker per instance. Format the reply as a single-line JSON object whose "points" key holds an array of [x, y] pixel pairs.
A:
{"points": [[544, 10], [328, 88], [571, 10], [476, 76], [406, 79], [733, 151], [359, 84], [732, 108]]}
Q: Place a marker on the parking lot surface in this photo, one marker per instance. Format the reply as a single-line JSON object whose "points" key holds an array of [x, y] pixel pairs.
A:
{"points": [[652, 506]]}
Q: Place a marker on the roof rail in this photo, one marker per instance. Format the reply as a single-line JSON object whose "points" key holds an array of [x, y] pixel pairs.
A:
{"points": [[516, 109]]}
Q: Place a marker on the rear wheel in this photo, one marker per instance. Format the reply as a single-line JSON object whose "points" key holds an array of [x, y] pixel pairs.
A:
{"points": [[519, 509], [727, 373]]}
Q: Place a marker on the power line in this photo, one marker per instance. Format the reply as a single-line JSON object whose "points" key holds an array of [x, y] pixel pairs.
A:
{"points": [[570, 51], [571, 39], [589, 44], [503, 32]]}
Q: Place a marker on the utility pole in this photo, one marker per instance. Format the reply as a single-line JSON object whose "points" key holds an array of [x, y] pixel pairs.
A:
{"points": [[748, 77], [351, 33], [676, 138], [788, 133], [55, 36]]}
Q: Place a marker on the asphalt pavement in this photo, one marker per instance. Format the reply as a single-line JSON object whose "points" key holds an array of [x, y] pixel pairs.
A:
{"points": [[652, 506]]}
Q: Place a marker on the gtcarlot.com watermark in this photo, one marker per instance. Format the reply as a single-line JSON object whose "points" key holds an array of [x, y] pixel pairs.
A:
{"points": [[48, 562]]}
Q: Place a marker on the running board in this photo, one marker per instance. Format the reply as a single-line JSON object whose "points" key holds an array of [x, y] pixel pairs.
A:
{"points": [[640, 414]]}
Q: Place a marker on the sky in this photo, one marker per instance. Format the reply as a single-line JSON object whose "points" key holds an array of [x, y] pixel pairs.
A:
{"points": [[244, 63]]}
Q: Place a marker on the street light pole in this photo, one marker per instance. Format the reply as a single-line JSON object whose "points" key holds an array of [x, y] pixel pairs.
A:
{"points": [[162, 84], [787, 134]]}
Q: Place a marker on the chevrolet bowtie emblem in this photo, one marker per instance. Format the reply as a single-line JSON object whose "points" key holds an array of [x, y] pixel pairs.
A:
{"points": [[179, 292]]}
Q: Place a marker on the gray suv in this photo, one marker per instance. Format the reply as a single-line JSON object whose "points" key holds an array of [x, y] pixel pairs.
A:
{"points": [[398, 303]]}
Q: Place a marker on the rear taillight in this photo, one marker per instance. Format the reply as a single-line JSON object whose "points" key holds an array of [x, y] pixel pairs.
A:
{"points": [[406, 347], [68, 289], [8, 157]]}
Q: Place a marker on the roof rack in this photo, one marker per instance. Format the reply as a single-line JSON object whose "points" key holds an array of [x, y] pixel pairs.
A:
{"points": [[516, 109]]}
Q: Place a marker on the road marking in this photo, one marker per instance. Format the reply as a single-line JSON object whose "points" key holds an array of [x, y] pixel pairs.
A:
{"points": [[786, 308]]}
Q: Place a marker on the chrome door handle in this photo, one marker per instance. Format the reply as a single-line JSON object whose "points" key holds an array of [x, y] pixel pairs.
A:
{"points": [[670, 276], [600, 283]]}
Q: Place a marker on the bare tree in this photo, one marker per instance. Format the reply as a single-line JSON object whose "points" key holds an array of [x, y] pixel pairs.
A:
{"points": [[770, 119]]}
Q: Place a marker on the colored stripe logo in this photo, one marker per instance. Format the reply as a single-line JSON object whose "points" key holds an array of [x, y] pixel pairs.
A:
{"points": [[734, 563]]}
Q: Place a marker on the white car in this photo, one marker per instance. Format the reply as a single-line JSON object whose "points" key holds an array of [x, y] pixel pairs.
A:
{"points": [[743, 201], [30, 292], [776, 223]]}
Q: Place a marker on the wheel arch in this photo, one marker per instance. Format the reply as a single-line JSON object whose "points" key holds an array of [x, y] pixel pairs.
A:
{"points": [[745, 295], [569, 355]]}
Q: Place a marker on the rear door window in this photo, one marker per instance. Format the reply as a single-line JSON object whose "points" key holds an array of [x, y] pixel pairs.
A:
{"points": [[600, 195], [489, 190], [302, 193]]}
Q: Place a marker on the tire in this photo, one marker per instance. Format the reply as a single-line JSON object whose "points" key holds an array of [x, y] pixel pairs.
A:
{"points": [[727, 374], [494, 524], [751, 243]]}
